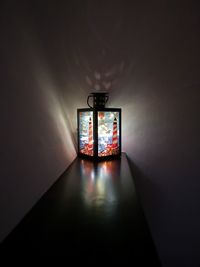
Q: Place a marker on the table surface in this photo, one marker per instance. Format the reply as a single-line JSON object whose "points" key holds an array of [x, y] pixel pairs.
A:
{"points": [[91, 213]]}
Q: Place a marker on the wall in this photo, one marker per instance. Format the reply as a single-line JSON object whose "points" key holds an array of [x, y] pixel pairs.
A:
{"points": [[146, 54], [37, 141], [161, 128]]}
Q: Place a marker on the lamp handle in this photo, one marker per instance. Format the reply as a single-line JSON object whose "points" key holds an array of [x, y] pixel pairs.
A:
{"points": [[88, 101]]}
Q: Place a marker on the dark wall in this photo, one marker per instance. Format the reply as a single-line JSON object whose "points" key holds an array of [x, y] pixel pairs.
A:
{"points": [[146, 54]]}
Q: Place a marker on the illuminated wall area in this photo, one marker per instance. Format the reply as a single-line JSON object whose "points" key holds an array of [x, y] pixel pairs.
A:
{"points": [[108, 133], [86, 133]]}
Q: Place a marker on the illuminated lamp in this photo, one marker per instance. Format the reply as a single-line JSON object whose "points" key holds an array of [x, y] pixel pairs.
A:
{"points": [[99, 129]]}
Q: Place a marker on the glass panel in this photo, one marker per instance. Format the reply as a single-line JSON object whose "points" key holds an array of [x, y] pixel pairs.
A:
{"points": [[108, 133], [86, 132]]}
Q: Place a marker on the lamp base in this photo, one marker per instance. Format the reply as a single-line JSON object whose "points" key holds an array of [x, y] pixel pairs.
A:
{"points": [[97, 159]]}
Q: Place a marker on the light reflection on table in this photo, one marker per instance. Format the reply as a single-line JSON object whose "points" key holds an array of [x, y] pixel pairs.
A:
{"points": [[99, 190]]}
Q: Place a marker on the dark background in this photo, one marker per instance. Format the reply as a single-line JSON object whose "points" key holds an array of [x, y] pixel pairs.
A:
{"points": [[146, 55]]}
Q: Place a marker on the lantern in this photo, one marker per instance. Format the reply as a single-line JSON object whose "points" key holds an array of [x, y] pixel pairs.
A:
{"points": [[99, 129]]}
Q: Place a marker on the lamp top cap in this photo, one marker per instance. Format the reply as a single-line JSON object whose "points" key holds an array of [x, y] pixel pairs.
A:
{"points": [[99, 93], [99, 99]]}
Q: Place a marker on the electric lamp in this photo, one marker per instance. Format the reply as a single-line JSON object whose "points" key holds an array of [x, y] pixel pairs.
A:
{"points": [[99, 129]]}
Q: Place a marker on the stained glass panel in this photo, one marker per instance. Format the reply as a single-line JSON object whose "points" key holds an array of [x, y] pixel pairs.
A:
{"points": [[86, 132], [108, 133]]}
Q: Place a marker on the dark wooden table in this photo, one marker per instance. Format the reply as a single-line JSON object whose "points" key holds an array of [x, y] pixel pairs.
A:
{"points": [[92, 214]]}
